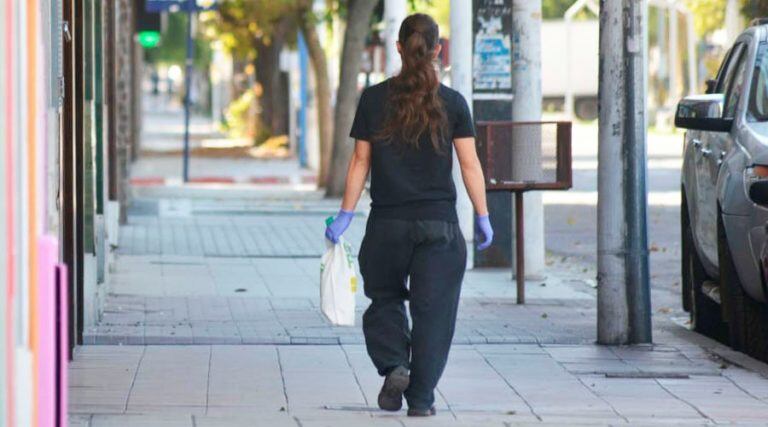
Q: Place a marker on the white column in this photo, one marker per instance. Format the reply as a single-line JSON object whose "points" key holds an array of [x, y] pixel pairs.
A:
{"points": [[461, 80], [526, 106], [673, 58], [394, 13], [734, 23], [690, 40]]}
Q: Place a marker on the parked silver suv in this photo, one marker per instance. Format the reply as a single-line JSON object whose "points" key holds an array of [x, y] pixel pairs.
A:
{"points": [[724, 207]]}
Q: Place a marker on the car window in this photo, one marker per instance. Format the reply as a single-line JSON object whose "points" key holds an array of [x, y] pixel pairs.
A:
{"points": [[721, 69], [758, 99], [735, 87], [726, 74]]}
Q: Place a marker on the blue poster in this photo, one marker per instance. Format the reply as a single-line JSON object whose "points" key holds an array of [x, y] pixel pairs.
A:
{"points": [[492, 53]]}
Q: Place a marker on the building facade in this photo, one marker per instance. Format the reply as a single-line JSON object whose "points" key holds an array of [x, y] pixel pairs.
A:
{"points": [[61, 186]]}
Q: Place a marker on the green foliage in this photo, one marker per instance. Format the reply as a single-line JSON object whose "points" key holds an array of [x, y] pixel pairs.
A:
{"points": [[238, 119], [172, 49], [555, 9], [708, 15], [440, 10], [239, 24]]}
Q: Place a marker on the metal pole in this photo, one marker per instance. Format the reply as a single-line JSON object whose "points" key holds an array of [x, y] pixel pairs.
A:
{"points": [[520, 246], [612, 311], [638, 282], [394, 13], [623, 284], [303, 98], [187, 85], [461, 80], [673, 57], [526, 107], [490, 74]]}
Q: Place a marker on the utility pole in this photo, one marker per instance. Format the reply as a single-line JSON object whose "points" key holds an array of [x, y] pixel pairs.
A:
{"points": [[461, 80], [673, 57], [191, 5], [394, 14], [492, 95], [623, 296], [526, 140]]}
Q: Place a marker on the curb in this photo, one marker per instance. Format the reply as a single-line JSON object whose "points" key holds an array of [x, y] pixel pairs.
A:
{"points": [[157, 181]]}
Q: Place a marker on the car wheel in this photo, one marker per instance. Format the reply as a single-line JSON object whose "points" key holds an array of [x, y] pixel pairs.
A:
{"points": [[704, 311], [684, 267], [747, 318]]}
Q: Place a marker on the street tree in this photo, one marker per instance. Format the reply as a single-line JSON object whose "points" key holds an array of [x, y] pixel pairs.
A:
{"points": [[251, 29], [256, 31], [308, 21], [358, 20], [754, 8]]}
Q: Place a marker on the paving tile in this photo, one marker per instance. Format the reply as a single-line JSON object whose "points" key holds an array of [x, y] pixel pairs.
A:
{"points": [[93, 408], [471, 384], [79, 420], [181, 420], [247, 376], [244, 418], [172, 375], [511, 364]]}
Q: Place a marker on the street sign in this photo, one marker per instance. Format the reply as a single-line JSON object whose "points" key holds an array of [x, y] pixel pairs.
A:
{"points": [[165, 5], [180, 5], [149, 39]]}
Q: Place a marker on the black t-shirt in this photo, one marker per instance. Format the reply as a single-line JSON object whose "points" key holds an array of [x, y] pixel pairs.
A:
{"points": [[411, 183]]}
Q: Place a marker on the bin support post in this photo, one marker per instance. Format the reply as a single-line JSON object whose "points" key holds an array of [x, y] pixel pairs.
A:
{"points": [[520, 246]]}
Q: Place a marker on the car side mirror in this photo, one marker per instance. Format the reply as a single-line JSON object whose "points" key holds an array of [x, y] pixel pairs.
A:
{"points": [[702, 112], [711, 85]]}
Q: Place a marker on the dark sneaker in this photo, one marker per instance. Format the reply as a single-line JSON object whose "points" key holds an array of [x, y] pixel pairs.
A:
{"points": [[391, 394], [413, 412]]}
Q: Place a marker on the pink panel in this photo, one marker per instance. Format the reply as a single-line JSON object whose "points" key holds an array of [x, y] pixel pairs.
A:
{"points": [[48, 250], [63, 363]]}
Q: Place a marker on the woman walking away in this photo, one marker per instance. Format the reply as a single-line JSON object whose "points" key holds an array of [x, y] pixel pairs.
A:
{"points": [[413, 248]]}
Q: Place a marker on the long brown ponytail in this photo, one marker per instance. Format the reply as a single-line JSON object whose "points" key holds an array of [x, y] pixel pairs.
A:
{"points": [[415, 107]]}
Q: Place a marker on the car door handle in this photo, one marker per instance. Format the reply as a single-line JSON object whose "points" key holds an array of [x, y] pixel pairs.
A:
{"points": [[721, 157], [706, 152]]}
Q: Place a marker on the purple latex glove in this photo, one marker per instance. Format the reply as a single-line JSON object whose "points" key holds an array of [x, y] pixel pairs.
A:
{"points": [[336, 228], [483, 226]]}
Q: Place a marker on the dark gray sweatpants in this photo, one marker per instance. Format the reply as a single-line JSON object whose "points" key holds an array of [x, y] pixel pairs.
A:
{"points": [[433, 255]]}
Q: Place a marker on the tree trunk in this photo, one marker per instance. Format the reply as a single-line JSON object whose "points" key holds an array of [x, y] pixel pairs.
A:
{"points": [[358, 24], [273, 115], [322, 89]]}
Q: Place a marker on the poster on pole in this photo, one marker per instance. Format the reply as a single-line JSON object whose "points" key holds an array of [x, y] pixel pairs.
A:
{"points": [[492, 46]]}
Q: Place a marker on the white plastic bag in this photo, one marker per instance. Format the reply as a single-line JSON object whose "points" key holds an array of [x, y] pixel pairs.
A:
{"points": [[338, 283]]}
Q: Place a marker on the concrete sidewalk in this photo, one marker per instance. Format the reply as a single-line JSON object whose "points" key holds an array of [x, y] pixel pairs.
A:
{"points": [[252, 277], [212, 318], [484, 385], [235, 272]]}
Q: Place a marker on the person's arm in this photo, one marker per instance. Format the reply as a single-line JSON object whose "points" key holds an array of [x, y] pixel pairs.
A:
{"points": [[357, 172], [472, 173]]}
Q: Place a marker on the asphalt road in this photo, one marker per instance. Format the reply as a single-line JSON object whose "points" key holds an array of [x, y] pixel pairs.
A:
{"points": [[571, 217]]}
